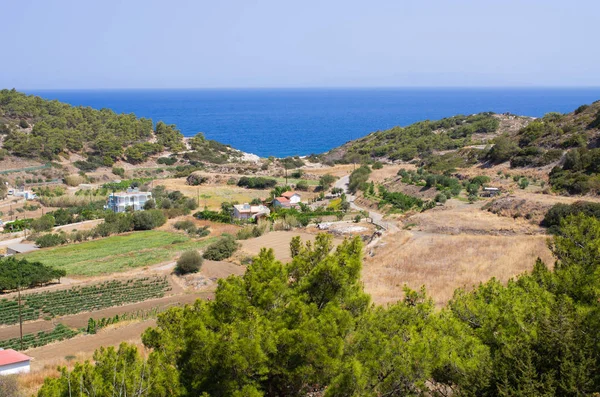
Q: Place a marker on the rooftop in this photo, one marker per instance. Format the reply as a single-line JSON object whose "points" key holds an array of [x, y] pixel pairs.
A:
{"points": [[22, 248], [250, 208], [10, 356], [288, 194]]}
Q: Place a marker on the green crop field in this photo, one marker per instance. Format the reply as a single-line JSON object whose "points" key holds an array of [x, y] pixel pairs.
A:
{"points": [[117, 253]]}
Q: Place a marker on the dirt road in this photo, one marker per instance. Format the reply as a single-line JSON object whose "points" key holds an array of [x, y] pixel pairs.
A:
{"points": [[87, 343], [376, 217]]}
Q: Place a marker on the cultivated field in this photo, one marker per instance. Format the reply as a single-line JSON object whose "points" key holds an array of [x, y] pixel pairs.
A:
{"points": [[117, 253]]}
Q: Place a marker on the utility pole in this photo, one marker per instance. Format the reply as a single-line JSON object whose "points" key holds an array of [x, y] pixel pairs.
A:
{"points": [[20, 310]]}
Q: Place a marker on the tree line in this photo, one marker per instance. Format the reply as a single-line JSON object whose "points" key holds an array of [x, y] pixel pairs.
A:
{"points": [[308, 327]]}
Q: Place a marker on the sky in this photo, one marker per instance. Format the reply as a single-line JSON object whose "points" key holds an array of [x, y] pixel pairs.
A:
{"points": [[108, 44]]}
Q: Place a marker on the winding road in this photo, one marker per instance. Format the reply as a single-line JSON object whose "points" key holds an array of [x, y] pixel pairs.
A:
{"points": [[376, 217]]}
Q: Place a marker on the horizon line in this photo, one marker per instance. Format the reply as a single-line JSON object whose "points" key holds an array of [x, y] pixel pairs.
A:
{"points": [[257, 88]]}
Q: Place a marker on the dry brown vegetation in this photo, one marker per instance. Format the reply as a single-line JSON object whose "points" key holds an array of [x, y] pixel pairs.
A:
{"points": [[443, 263]]}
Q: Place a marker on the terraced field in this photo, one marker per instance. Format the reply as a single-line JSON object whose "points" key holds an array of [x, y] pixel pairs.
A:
{"points": [[117, 253]]}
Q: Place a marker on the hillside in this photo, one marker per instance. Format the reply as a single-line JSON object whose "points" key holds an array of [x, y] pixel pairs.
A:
{"points": [[564, 146], [35, 128]]}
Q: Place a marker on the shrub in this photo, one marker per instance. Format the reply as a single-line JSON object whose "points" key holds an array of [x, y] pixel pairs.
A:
{"points": [[73, 180], [221, 249], [440, 198], [302, 185], [189, 262], [148, 220], [167, 160], [377, 165], [326, 181], [23, 123], [523, 183], [43, 224], [50, 240], [560, 211], [258, 182], [196, 179], [119, 171], [297, 174], [185, 225]]}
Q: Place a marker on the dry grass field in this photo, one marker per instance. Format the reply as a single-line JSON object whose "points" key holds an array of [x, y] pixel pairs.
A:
{"points": [[213, 195], [444, 262], [457, 245]]}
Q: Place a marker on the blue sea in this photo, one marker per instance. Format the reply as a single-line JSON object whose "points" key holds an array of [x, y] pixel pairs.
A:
{"points": [[284, 122]]}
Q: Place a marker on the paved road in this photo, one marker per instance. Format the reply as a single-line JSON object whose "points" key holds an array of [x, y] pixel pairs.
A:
{"points": [[376, 217]]}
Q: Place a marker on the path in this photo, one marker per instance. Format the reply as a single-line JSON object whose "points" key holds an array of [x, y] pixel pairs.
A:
{"points": [[376, 217], [88, 343]]}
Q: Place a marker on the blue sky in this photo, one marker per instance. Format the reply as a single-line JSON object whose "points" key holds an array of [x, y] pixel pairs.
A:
{"points": [[328, 43]]}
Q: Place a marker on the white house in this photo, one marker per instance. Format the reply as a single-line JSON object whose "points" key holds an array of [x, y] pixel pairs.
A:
{"points": [[287, 200], [293, 197], [119, 202], [26, 194], [247, 211], [13, 362]]}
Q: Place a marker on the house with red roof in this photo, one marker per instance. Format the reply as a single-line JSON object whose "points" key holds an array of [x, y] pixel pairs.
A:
{"points": [[281, 202], [287, 200], [13, 362]]}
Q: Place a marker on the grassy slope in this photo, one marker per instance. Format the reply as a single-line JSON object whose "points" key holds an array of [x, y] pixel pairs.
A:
{"points": [[117, 253]]}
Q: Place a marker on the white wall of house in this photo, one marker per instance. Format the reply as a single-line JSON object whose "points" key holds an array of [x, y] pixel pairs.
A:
{"points": [[294, 199], [16, 368]]}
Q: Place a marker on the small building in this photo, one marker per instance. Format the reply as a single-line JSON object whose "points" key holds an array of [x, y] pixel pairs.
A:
{"points": [[490, 191], [247, 211], [120, 202], [12, 362], [26, 194], [293, 197], [15, 249], [281, 202]]}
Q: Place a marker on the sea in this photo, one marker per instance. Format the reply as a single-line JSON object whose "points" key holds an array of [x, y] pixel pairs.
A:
{"points": [[289, 122]]}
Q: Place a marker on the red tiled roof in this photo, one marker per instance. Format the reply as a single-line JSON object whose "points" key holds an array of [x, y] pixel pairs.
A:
{"points": [[288, 194], [9, 356], [282, 200]]}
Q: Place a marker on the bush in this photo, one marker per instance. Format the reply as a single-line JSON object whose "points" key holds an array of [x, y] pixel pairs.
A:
{"points": [[73, 180], [43, 224], [167, 160], [185, 225], [523, 183], [119, 171], [196, 180], [326, 181], [23, 123], [189, 262], [377, 165], [440, 198], [258, 182], [221, 249], [148, 220], [560, 211], [302, 185], [50, 240]]}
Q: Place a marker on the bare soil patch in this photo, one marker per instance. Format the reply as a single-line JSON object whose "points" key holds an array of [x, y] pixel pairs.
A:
{"points": [[279, 241]]}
